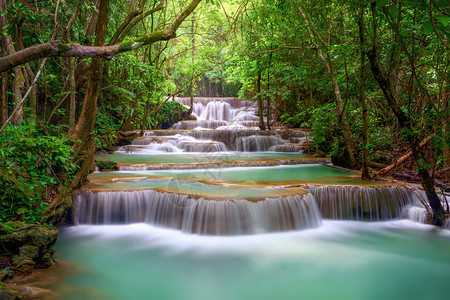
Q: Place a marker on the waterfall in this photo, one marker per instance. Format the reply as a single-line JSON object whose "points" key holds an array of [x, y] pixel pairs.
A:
{"points": [[197, 216], [372, 203], [232, 137], [417, 214], [257, 143], [226, 124], [175, 143], [214, 110], [239, 216], [289, 148], [205, 124], [245, 116], [216, 165], [234, 102], [202, 146]]}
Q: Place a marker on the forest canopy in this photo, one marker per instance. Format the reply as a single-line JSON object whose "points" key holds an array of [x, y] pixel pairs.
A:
{"points": [[370, 79]]}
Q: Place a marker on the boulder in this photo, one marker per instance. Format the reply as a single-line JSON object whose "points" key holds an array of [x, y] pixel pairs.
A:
{"points": [[8, 295], [106, 165], [30, 246], [31, 292]]}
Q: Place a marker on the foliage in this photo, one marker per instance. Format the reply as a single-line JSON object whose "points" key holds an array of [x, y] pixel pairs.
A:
{"points": [[31, 165], [169, 114]]}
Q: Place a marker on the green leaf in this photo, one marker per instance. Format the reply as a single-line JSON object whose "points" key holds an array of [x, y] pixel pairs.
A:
{"points": [[427, 27], [394, 11], [381, 3], [445, 20]]}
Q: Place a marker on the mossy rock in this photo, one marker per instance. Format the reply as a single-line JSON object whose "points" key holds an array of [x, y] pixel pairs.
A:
{"points": [[382, 157], [6, 294], [29, 246], [126, 137], [106, 165]]}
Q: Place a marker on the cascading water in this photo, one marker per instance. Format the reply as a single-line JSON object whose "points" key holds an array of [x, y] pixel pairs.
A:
{"points": [[225, 125], [258, 143], [199, 216], [363, 203]]}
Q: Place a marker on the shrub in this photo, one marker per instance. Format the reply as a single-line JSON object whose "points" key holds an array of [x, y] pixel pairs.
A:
{"points": [[32, 165]]}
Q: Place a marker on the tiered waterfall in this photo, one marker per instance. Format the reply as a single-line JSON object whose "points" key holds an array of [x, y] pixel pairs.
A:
{"points": [[220, 175]]}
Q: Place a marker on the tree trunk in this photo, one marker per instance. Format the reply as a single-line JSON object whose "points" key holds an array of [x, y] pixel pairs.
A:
{"points": [[85, 148], [192, 61], [268, 90], [403, 158], [362, 99], [3, 101], [91, 27], [260, 103], [340, 108], [33, 103], [72, 95], [4, 83], [17, 86], [446, 134], [57, 48], [404, 122], [71, 69]]}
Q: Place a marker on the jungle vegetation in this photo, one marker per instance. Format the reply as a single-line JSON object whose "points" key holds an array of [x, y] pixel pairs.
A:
{"points": [[370, 79]]}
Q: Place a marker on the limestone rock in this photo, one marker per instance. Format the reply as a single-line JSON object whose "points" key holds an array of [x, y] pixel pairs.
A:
{"points": [[106, 165], [8, 295], [31, 292], [29, 245]]}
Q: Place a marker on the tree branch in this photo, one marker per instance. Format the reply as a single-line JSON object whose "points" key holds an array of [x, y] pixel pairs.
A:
{"points": [[58, 48]]}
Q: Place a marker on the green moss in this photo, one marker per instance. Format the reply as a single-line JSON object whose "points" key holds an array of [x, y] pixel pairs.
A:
{"points": [[106, 165], [62, 47], [7, 294], [143, 40]]}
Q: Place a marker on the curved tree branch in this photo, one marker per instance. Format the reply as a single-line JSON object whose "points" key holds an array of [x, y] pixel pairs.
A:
{"points": [[58, 48]]}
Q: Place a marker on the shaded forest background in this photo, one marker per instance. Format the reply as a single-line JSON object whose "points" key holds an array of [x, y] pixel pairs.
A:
{"points": [[370, 79]]}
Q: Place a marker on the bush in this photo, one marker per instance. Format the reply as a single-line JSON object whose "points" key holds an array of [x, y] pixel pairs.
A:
{"points": [[32, 165]]}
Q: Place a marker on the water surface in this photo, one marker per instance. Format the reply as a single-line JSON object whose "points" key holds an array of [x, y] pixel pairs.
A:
{"points": [[340, 260]]}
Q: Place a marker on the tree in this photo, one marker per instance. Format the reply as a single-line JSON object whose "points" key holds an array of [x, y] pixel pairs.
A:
{"points": [[388, 78]]}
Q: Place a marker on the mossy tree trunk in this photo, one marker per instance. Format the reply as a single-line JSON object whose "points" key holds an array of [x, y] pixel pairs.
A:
{"points": [[84, 147], [405, 124], [326, 59], [362, 99], [260, 103]]}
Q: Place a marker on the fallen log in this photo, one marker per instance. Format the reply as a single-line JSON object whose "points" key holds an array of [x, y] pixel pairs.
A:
{"points": [[415, 178], [373, 164], [403, 158]]}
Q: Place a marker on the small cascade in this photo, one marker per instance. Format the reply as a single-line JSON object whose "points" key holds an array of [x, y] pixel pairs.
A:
{"points": [[245, 116], [291, 134], [258, 143], [197, 216], [233, 126], [363, 203], [216, 165], [297, 140], [175, 143], [416, 214], [234, 102], [150, 148], [233, 139], [205, 124], [232, 202], [214, 110], [250, 124], [202, 146], [289, 148]]}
